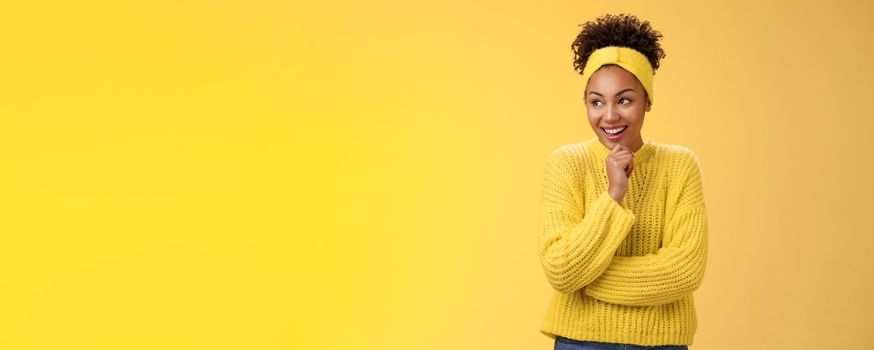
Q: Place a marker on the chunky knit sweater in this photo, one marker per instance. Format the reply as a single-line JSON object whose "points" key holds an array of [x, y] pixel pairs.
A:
{"points": [[623, 272]]}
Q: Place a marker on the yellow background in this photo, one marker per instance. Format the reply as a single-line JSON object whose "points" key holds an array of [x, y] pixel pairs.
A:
{"points": [[332, 175]]}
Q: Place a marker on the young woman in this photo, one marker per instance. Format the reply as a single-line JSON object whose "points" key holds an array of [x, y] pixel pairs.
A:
{"points": [[624, 228]]}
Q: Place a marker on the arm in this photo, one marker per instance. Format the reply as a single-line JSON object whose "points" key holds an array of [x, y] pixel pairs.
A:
{"points": [[575, 249], [673, 272]]}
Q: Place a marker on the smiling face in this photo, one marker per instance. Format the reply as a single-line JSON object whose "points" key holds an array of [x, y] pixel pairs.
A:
{"points": [[616, 100]]}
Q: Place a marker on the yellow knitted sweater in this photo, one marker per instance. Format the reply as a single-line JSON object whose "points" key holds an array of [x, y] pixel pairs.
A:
{"points": [[623, 272]]}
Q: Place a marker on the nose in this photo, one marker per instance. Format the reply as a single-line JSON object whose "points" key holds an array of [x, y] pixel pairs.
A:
{"points": [[611, 114]]}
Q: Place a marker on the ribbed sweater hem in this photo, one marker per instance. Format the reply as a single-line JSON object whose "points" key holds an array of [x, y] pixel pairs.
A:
{"points": [[565, 320], [644, 339]]}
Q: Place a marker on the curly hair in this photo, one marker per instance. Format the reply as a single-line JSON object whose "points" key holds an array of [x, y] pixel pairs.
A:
{"points": [[617, 30]]}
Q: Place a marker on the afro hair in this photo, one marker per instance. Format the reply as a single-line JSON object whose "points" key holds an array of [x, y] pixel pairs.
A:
{"points": [[617, 30]]}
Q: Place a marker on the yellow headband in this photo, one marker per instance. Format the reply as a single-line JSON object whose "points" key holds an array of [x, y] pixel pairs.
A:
{"points": [[628, 58]]}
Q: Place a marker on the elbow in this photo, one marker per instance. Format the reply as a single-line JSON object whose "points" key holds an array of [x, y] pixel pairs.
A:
{"points": [[568, 272], [561, 281], [562, 287], [560, 277], [695, 276], [698, 276], [690, 284]]}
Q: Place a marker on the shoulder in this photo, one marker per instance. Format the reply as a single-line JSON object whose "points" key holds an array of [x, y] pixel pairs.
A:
{"points": [[567, 159], [682, 165], [677, 156], [567, 153]]}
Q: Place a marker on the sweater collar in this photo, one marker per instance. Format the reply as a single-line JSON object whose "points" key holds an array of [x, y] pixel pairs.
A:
{"points": [[599, 150]]}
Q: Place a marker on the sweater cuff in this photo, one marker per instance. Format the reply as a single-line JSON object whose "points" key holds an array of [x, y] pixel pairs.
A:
{"points": [[620, 207], [620, 217]]}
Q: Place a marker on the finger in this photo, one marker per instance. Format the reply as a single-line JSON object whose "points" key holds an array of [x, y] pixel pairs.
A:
{"points": [[620, 161], [616, 148], [625, 162], [623, 156], [619, 148], [619, 153]]}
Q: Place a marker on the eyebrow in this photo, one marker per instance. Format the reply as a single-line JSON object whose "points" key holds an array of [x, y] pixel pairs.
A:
{"points": [[617, 94]]}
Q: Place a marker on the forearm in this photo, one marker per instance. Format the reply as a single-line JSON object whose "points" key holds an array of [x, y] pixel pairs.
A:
{"points": [[672, 272], [574, 250]]}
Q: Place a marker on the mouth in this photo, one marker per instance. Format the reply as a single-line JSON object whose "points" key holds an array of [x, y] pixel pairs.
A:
{"points": [[615, 133]]}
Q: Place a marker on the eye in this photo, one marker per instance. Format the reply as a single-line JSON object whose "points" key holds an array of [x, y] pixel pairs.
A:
{"points": [[624, 99], [596, 103]]}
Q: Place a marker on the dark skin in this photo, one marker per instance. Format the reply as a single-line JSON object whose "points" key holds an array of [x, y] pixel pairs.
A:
{"points": [[616, 98]]}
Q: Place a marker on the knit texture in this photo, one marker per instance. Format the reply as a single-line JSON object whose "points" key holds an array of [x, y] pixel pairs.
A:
{"points": [[623, 272]]}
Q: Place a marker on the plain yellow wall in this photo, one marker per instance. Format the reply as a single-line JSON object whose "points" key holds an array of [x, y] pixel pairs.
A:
{"points": [[332, 175]]}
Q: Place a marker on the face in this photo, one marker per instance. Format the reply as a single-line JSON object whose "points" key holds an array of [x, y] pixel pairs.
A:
{"points": [[615, 99]]}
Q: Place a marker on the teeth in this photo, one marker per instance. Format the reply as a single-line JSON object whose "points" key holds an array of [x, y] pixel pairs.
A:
{"points": [[615, 131]]}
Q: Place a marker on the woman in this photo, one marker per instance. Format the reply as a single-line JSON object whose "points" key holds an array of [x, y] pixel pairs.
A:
{"points": [[624, 229]]}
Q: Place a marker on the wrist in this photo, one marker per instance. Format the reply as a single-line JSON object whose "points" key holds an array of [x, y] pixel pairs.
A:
{"points": [[617, 195]]}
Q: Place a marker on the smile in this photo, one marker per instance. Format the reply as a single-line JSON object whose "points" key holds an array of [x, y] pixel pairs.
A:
{"points": [[616, 131]]}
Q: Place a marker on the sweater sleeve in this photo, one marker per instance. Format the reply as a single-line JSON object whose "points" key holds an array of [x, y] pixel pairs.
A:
{"points": [[577, 244], [676, 269]]}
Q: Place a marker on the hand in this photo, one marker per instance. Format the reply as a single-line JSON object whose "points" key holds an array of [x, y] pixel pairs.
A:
{"points": [[619, 166]]}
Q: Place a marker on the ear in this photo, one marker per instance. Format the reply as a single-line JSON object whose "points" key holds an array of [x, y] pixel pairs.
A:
{"points": [[648, 105]]}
